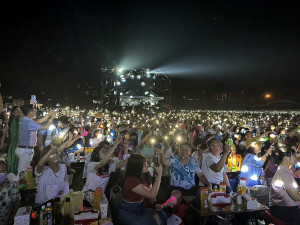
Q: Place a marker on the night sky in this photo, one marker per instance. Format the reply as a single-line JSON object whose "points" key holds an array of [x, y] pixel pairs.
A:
{"points": [[48, 47]]}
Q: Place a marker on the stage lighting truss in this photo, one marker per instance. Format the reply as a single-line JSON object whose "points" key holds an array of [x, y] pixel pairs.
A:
{"points": [[116, 82]]}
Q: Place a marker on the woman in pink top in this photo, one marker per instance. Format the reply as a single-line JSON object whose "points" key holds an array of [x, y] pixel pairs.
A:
{"points": [[284, 192]]}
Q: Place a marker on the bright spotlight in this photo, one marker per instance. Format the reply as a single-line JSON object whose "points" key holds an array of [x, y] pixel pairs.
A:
{"points": [[123, 80], [118, 83], [120, 70], [148, 75], [132, 76], [143, 84], [131, 96], [146, 92], [121, 93], [138, 77]]}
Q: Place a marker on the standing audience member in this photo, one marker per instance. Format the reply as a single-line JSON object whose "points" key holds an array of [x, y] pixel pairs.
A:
{"points": [[13, 128], [28, 136]]}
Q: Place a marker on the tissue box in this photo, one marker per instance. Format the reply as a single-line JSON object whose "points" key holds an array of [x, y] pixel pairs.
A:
{"points": [[22, 216], [249, 202], [86, 217], [219, 201]]}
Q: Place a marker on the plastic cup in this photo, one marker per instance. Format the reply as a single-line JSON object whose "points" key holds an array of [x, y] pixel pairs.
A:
{"points": [[103, 208]]}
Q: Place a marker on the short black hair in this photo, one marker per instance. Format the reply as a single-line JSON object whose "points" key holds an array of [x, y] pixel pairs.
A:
{"points": [[26, 109], [203, 145], [186, 144], [64, 120], [210, 142]]}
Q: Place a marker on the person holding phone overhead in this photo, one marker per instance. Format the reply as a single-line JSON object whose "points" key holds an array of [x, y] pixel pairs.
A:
{"points": [[252, 169], [100, 167], [27, 138], [132, 210], [51, 176]]}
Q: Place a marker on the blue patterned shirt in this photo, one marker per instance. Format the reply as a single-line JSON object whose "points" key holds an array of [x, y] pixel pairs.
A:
{"points": [[183, 175]]}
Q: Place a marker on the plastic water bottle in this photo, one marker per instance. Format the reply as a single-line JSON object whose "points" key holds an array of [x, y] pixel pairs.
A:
{"points": [[49, 211], [43, 216], [239, 203]]}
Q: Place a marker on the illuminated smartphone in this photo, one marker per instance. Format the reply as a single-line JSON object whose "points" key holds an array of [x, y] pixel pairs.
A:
{"points": [[33, 98]]}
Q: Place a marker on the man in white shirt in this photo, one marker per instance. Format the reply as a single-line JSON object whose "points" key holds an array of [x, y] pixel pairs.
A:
{"points": [[213, 163]]}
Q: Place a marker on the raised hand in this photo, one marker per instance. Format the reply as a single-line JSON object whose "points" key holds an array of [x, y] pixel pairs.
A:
{"points": [[158, 169], [227, 149]]}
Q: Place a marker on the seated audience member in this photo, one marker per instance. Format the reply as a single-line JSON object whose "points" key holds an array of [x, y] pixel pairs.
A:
{"points": [[132, 210], [100, 167], [104, 144], [284, 193], [252, 169], [183, 170], [9, 197], [202, 149], [213, 163], [242, 144], [252, 164], [51, 177], [272, 140], [292, 139], [146, 146], [270, 171]]}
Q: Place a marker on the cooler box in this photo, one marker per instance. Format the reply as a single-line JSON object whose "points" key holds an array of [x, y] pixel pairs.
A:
{"points": [[219, 201], [86, 217]]}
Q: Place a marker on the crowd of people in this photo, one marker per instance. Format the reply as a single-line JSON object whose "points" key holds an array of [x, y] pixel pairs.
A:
{"points": [[184, 150]]}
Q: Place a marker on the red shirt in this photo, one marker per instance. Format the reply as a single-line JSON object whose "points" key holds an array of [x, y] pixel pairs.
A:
{"points": [[128, 195]]}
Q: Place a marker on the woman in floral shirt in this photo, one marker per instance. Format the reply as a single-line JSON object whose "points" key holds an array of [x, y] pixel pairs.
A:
{"points": [[9, 197]]}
